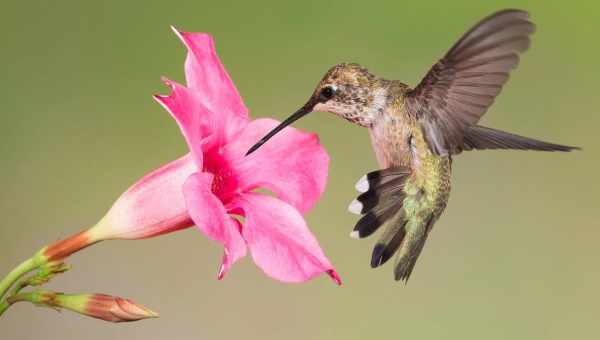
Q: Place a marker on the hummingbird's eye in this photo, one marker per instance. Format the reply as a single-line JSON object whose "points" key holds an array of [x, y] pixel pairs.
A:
{"points": [[326, 93]]}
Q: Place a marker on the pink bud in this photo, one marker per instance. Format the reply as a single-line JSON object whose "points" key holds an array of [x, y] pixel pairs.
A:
{"points": [[99, 306], [106, 307]]}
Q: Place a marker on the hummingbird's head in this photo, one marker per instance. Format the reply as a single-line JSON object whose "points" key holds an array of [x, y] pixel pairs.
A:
{"points": [[347, 90], [351, 92]]}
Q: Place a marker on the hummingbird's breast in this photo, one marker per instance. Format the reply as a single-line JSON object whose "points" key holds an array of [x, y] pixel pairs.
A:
{"points": [[391, 134], [398, 140]]}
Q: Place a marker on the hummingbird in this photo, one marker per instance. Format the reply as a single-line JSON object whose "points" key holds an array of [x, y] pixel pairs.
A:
{"points": [[416, 132]]}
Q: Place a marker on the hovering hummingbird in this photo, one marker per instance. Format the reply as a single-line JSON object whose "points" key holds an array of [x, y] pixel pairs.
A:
{"points": [[416, 131]]}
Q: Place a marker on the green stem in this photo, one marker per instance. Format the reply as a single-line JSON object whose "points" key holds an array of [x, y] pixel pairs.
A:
{"points": [[3, 306], [49, 262], [16, 274], [17, 288], [38, 297]]}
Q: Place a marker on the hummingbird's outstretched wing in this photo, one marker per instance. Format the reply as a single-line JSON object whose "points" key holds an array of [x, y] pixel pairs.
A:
{"points": [[460, 87]]}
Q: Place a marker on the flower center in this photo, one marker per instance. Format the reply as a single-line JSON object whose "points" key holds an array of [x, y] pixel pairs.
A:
{"points": [[224, 183], [218, 181]]}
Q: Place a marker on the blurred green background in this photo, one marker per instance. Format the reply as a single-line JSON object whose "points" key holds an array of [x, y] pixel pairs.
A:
{"points": [[515, 256]]}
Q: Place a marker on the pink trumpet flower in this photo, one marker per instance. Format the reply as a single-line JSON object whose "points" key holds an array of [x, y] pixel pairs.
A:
{"points": [[215, 182], [218, 131]]}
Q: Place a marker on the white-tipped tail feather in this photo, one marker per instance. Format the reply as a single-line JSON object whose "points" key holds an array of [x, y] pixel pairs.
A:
{"points": [[363, 184], [355, 207]]}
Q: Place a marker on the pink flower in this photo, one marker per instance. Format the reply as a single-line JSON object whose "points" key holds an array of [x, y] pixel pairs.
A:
{"points": [[220, 195], [214, 185]]}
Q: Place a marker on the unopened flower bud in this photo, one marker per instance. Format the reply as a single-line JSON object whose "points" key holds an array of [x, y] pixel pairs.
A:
{"points": [[106, 307], [99, 306]]}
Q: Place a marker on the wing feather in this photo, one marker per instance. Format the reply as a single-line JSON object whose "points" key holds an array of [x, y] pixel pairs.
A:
{"points": [[460, 87]]}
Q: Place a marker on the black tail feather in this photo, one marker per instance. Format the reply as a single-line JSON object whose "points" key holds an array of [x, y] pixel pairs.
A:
{"points": [[380, 195], [372, 220], [381, 203], [389, 242], [382, 198]]}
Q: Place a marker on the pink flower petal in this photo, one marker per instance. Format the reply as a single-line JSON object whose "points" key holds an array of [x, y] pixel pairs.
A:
{"points": [[191, 116], [203, 129], [280, 242], [152, 206], [210, 216], [205, 73], [293, 164]]}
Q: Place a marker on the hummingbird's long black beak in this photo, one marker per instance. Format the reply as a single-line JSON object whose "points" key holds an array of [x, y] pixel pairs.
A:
{"points": [[303, 111]]}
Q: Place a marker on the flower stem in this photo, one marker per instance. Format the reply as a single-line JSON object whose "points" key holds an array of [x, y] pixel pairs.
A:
{"points": [[14, 275], [19, 286], [3, 306], [38, 298], [48, 261]]}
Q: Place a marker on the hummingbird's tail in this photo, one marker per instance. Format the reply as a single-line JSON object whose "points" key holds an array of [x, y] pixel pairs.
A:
{"points": [[391, 200], [481, 138]]}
